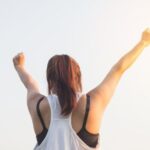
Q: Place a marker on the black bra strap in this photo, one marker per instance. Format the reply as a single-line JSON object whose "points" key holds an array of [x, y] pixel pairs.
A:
{"points": [[87, 110], [39, 113]]}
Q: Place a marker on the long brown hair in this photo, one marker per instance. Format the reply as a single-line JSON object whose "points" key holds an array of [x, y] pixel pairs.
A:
{"points": [[64, 79]]}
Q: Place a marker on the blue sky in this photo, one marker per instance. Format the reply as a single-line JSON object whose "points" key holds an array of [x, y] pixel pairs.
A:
{"points": [[96, 33]]}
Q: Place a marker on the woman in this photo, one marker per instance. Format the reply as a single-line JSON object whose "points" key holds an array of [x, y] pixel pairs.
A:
{"points": [[67, 119]]}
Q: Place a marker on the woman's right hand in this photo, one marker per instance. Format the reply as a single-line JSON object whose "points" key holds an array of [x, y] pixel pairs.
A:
{"points": [[19, 60], [146, 37]]}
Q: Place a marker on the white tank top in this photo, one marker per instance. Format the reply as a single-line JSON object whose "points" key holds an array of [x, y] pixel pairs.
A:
{"points": [[61, 135]]}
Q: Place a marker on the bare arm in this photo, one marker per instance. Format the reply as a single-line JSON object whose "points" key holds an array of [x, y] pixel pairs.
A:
{"points": [[33, 94], [104, 91], [28, 81]]}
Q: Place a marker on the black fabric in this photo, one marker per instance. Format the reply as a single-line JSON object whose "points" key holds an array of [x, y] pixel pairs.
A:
{"points": [[89, 138], [40, 137]]}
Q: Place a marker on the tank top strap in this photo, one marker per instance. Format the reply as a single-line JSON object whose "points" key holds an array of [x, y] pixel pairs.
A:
{"points": [[39, 113], [86, 111]]}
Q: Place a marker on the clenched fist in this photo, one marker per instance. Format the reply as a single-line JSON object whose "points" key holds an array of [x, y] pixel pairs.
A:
{"points": [[146, 37], [19, 60]]}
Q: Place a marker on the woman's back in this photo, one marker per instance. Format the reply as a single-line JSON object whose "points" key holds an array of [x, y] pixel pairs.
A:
{"points": [[63, 131]]}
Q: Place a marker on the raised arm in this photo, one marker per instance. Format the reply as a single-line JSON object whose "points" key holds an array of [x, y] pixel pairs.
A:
{"points": [[28, 81], [102, 94], [26, 78]]}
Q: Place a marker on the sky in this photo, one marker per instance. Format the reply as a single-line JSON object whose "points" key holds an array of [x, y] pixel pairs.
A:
{"points": [[94, 32]]}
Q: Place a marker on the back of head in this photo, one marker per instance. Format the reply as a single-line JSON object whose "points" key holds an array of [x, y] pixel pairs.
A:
{"points": [[64, 79]]}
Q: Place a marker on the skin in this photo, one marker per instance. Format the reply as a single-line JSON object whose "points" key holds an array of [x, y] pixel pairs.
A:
{"points": [[100, 95]]}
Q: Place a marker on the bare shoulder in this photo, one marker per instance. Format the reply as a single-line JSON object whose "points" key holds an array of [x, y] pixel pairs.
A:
{"points": [[44, 110], [78, 113], [32, 100], [32, 104], [79, 110], [81, 106], [94, 116]]}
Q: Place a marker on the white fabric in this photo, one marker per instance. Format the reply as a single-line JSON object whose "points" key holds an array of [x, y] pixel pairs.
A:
{"points": [[61, 135]]}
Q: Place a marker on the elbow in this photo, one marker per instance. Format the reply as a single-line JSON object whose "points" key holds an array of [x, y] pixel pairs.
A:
{"points": [[120, 67]]}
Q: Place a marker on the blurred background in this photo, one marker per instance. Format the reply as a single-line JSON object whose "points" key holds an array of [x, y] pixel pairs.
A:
{"points": [[94, 32]]}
